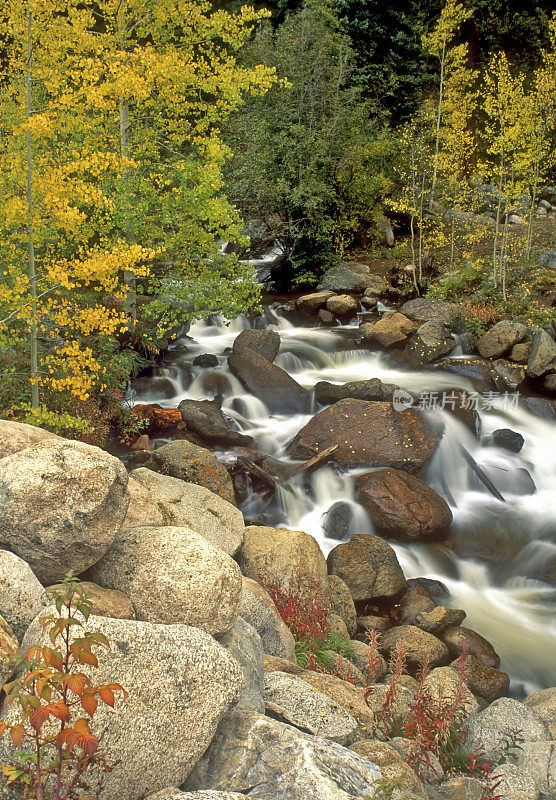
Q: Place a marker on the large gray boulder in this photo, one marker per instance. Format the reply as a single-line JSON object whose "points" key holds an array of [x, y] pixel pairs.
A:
{"points": [[391, 330], [266, 759], [431, 341], [258, 609], [245, 645], [172, 574], [490, 730], [421, 309], [544, 703], [21, 595], [16, 436], [539, 760], [62, 504], [180, 683], [293, 701], [195, 507], [346, 277], [419, 646], [513, 783]]}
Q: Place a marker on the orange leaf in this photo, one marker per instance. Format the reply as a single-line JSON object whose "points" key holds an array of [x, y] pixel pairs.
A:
{"points": [[17, 733], [117, 688], [106, 695], [38, 717], [76, 683], [60, 710], [31, 653], [88, 658], [3, 727], [89, 703]]}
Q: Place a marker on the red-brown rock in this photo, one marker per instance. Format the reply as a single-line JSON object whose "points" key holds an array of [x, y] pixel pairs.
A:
{"points": [[403, 507], [367, 433], [159, 419], [459, 640]]}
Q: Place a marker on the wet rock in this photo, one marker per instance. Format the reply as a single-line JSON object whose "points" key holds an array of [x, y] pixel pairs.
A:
{"points": [[414, 601], [490, 730], [195, 507], [16, 436], [290, 560], [244, 643], [205, 360], [326, 317], [403, 507], [154, 743], [337, 521], [460, 640], [347, 277], [506, 438], [194, 464], [468, 343], [484, 681], [341, 603], [312, 302], [272, 761], [22, 597], [265, 343], [513, 783], [142, 443], [542, 356], [418, 645], [540, 407], [370, 390], [157, 419], [367, 433], [55, 530], [172, 574], [435, 589], [368, 566], [432, 340], [501, 338], [104, 602], [207, 421], [257, 608], [369, 301], [421, 309], [392, 330], [342, 305], [474, 369], [538, 759], [296, 702], [271, 384], [439, 618], [9, 652], [507, 376]]}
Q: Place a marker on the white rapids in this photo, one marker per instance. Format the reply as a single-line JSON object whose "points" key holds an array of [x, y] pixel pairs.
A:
{"points": [[503, 598]]}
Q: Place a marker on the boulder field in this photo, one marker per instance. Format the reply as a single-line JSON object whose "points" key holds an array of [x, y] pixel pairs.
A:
{"points": [[209, 622]]}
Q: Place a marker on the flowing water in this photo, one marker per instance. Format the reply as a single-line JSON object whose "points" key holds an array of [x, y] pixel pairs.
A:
{"points": [[493, 560]]}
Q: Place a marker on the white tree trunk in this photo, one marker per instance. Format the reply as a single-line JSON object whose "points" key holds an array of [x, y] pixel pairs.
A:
{"points": [[34, 372]]}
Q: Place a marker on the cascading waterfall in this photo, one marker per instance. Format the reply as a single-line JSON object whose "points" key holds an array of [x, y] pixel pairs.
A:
{"points": [[496, 551]]}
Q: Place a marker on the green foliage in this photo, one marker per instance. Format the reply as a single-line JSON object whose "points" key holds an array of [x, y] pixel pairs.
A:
{"points": [[52, 761], [308, 162]]}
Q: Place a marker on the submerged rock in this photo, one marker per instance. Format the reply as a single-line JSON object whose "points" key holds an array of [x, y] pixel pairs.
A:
{"points": [[206, 420]]}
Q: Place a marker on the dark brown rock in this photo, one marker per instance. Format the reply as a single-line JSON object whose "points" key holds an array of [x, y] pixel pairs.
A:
{"points": [[205, 419], [272, 385], [421, 309], [412, 603], [329, 393], [459, 639], [368, 566], [326, 317], [501, 338], [367, 433], [403, 507]]}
